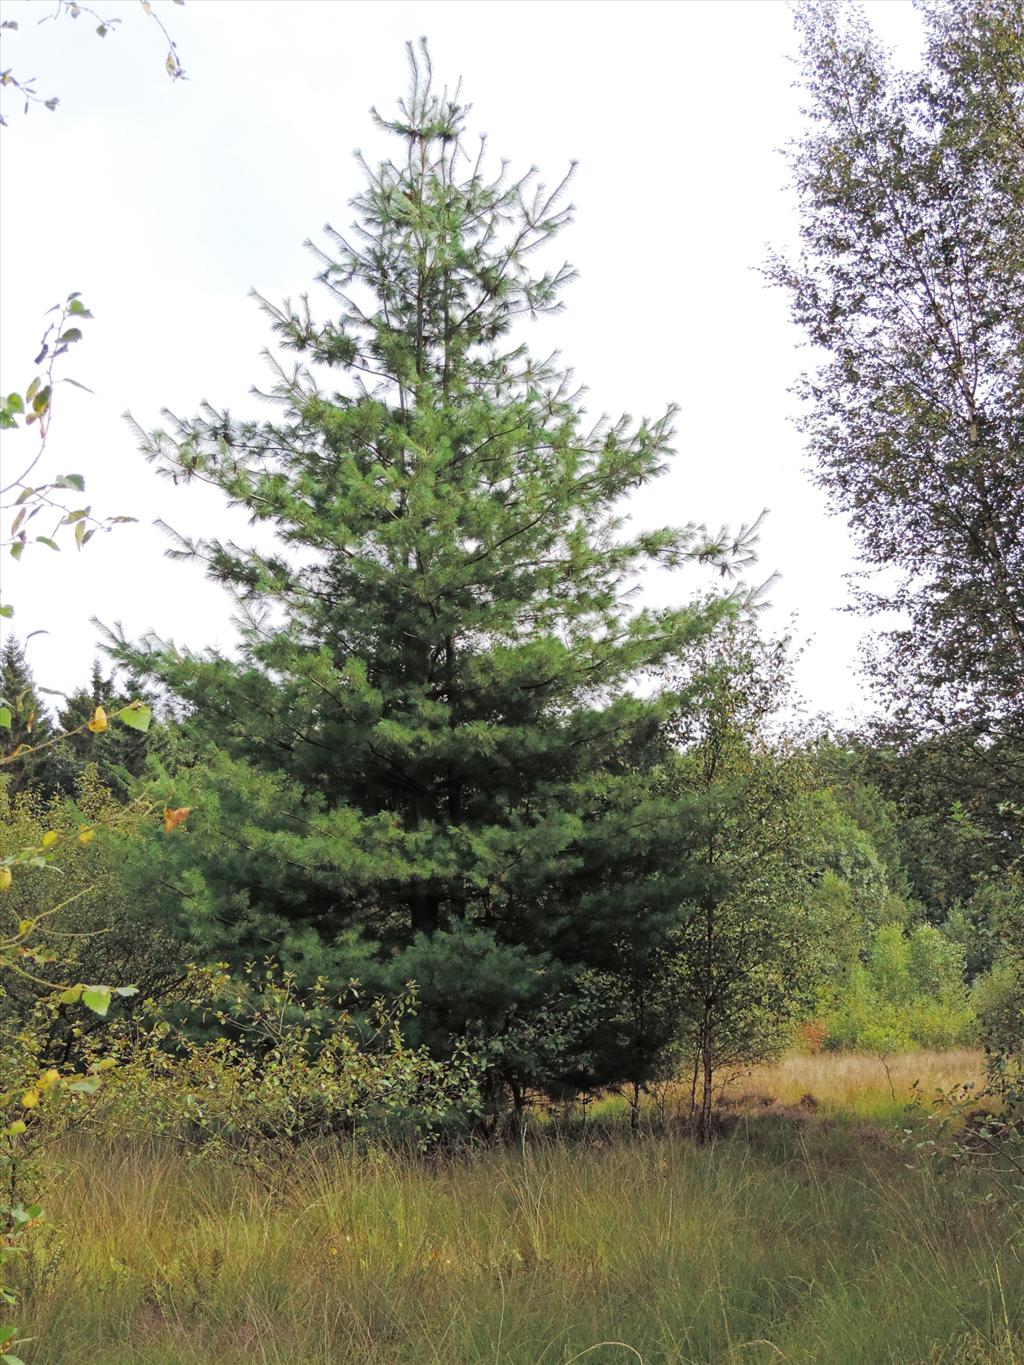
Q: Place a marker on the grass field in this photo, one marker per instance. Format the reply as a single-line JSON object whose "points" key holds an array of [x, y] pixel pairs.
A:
{"points": [[801, 1236]]}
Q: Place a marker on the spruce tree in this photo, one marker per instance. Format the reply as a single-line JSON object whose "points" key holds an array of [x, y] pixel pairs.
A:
{"points": [[26, 722], [432, 724], [119, 752]]}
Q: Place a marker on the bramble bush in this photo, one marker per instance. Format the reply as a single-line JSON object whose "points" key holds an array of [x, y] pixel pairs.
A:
{"points": [[246, 1066], [242, 1066]]}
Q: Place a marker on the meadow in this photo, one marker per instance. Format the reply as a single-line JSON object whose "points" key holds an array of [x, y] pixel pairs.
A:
{"points": [[807, 1233]]}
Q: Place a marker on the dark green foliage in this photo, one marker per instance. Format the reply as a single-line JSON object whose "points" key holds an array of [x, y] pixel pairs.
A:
{"points": [[29, 721], [862, 816], [1000, 1000], [118, 753], [429, 743], [957, 796]]}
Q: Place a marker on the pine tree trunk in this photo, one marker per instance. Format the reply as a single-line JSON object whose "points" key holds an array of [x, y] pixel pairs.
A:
{"points": [[425, 903], [425, 911]]}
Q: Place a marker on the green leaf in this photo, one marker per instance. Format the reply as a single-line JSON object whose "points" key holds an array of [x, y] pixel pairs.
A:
{"points": [[70, 481], [80, 534], [126, 990], [85, 1086], [32, 389], [17, 548], [78, 309], [7, 611], [71, 996], [135, 716], [6, 420], [97, 999], [45, 540], [72, 334], [5, 1334], [13, 403], [5, 717]]}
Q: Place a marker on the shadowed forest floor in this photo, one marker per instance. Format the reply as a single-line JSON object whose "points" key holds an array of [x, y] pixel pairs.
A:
{"points": [[806, 1234]]}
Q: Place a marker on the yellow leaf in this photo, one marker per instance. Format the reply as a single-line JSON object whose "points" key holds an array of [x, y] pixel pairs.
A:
{"points": [[99, 721], [24, 927], [48, 1079], [85, 836], [5, 878], [174, 818], [50, 838], [30, 1099]]}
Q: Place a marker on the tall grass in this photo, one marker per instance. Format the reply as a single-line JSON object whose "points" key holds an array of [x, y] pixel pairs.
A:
{"points": [[871, 1085], [788, 1240]]}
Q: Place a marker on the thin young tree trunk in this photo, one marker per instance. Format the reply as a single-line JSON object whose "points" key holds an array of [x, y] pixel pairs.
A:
{"points": [[707, 1061], [693, 1078], [707, 1019]]}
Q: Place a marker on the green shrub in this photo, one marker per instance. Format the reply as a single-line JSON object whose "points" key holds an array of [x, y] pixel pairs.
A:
{"points": [[283, 1067], [910, 993]]}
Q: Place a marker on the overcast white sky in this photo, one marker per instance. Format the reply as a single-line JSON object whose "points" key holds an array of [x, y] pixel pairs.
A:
{"points": [[163, 203]]}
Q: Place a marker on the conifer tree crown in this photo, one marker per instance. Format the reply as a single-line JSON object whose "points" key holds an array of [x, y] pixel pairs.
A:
{"points": [[432, 726]]}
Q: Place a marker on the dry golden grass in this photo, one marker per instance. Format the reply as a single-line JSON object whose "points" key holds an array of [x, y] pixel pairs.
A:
{"points": [[859, 1081], [859, 1085]]}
